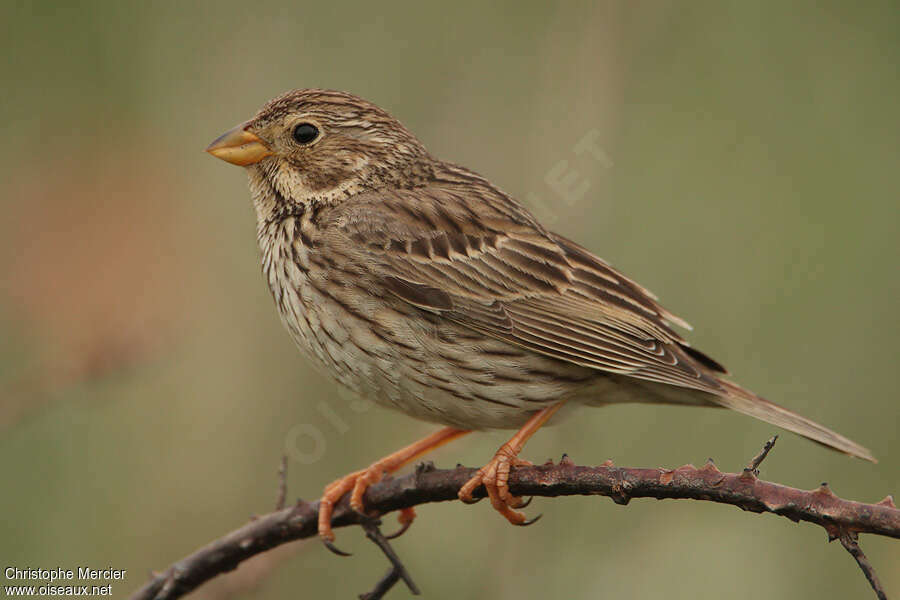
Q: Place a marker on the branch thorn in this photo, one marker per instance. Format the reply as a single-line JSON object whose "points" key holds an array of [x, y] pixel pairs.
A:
{"points": [[710, 466], [426, 466], [823, 489], [888, 501]]}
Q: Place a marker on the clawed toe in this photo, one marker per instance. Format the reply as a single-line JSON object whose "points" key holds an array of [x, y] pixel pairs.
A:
{"points": [[494, 476], [365, 479], [465, 492], [356, 483]]}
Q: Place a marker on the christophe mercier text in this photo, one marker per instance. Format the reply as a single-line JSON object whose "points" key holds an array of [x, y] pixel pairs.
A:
{"points": [[51, 575]]}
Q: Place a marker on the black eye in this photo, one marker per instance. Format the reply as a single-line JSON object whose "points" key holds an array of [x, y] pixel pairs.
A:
{"points": [[304, 133]]}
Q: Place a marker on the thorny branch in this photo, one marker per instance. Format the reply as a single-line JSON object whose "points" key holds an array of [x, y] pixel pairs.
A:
{"points": [[842, 519]]}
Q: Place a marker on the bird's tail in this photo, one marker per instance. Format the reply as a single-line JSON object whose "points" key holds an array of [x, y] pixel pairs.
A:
{"points": [[748, 403]]}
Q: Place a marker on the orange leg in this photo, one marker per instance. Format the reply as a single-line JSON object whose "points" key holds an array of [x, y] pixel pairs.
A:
{"points": [[495, 475], [359, 481]]}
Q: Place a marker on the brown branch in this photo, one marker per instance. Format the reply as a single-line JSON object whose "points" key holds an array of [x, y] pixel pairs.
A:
{"points": [[840, 518], [850, 542], [397, 571]]}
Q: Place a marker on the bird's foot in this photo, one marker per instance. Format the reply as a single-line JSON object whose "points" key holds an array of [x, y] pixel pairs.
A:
{"points": [[495, 478], [356, 483]]}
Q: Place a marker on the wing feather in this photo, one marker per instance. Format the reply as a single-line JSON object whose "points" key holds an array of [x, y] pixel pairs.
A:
{"points": [[508, 278]]}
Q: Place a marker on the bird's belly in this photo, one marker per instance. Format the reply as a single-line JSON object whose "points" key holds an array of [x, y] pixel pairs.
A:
{"points": [[415, 362]]}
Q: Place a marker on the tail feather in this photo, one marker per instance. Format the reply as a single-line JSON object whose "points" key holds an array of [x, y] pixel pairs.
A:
{"points": [[748, 403]]}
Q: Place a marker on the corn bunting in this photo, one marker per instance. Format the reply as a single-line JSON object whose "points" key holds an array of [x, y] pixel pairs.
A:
{"points": [[419, 284]]}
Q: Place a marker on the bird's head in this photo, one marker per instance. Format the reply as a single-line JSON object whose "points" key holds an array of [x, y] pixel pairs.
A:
{"points": [[320, 145]]}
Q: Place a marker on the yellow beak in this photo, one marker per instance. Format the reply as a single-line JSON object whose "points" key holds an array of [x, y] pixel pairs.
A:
{"points": [[239, 147]]}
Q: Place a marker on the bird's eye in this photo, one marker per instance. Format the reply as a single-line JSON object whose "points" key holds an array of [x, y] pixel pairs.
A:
{"points": [[305, 133]]}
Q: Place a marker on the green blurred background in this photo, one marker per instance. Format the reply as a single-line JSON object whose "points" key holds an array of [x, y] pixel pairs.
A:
{"points": [[147, 390]]}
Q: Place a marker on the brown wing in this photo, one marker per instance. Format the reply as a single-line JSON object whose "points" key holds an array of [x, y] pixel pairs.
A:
{"points": [[492, 268]]}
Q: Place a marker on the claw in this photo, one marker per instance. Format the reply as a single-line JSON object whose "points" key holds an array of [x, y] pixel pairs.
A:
{"points": [[518, 501], [330, 545], [399, 532], [406, 518], [531, 521], [465, 492]]}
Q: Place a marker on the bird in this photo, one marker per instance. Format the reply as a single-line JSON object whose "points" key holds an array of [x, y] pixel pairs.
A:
{"points": [[420, 285]]}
